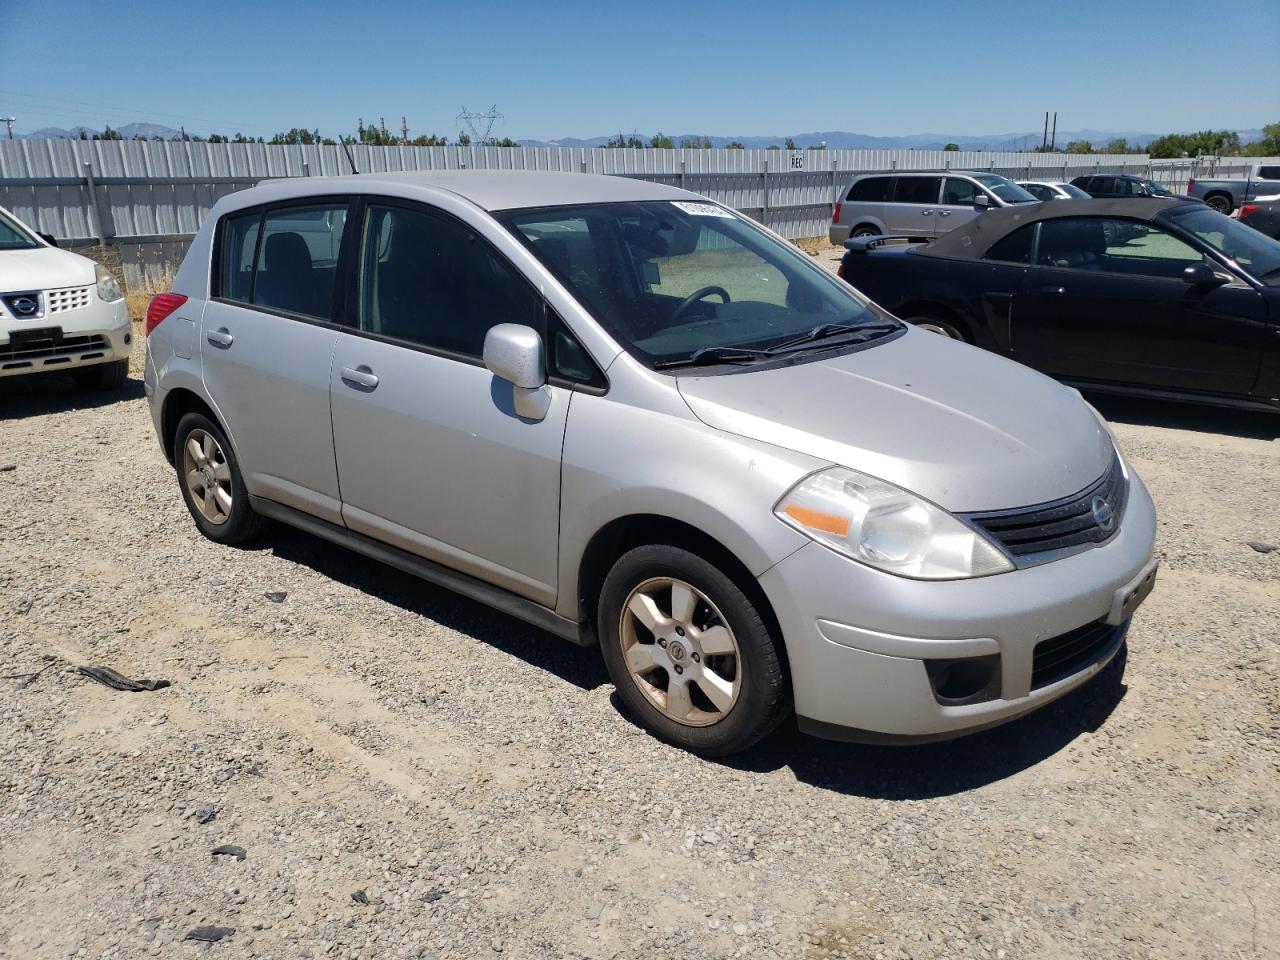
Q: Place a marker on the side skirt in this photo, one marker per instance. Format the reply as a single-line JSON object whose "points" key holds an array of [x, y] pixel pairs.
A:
{"points": [[1206, 399], [442, 576]]}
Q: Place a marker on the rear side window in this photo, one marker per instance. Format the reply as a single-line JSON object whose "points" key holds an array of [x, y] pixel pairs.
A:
{"points": [[427, 279], [297, 261], [1015, 248], [239, 245], [284, 258], [1269, 173], [1102, 185], [917, 190], [871, 190]]}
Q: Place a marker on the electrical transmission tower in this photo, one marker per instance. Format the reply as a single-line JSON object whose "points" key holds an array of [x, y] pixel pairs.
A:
{"points": [[9, 122], [480, 124]]}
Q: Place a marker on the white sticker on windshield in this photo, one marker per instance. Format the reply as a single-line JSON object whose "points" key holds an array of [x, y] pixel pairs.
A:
{"points": [[702, 209]]}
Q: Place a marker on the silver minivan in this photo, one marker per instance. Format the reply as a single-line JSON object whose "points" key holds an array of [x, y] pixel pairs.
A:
{"points": [[636, 419], [920, 205]]}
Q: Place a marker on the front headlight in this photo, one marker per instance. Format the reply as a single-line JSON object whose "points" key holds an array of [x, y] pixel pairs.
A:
{"points": [[108, 290], [887, 528]]}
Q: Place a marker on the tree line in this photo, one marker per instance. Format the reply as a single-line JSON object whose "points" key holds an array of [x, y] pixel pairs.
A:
{"points": [[1205, 143]]}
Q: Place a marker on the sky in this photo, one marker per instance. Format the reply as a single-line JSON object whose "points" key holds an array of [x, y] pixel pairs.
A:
{"points": [[583, 69]]}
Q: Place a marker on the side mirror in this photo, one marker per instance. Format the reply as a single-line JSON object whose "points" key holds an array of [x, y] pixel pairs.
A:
{"points": [[982, 201], [1202, 275], [48, 238], [514, 353]]}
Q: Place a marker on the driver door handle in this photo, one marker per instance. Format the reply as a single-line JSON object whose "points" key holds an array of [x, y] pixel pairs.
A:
{"points": [[221, 337], [944, 213], [926, 213], [1053, 291], [361, 377]]}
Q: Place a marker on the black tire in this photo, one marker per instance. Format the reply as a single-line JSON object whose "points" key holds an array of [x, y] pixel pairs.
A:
{"points": [[103, 376], [1221, 202], [242, 523], [864, 230], [764, 697], [941, 323]]}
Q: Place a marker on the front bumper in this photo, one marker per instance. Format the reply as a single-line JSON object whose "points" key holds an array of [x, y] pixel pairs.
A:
{"points": [[858, 639], [93, 334]]}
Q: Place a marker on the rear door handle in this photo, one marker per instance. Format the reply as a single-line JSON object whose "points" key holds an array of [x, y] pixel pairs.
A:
{"points": [[1053, 291], [926, 213], [361, 377], [944, 213], [221, 337]]}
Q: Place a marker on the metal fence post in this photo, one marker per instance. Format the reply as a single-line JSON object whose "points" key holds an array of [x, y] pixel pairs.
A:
{"points": [[835, 189], [764, 193], [100, 228], [682, 169], [306, 169], [582, 167]]}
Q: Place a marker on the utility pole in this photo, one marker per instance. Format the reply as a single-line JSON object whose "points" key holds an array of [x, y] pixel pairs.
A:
{"points": [[1044, 141], [404, 130], [9, 122], [1053, 142]]}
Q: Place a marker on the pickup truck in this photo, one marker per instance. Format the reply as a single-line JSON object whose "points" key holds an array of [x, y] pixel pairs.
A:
{"points": [[1226, 195]]}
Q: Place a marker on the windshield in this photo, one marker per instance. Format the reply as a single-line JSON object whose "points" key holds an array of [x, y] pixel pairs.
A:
{"points": [[1006, 190], [670, 278], [13, 236], [1071, 190], [1156, 190], [1257, 253]]}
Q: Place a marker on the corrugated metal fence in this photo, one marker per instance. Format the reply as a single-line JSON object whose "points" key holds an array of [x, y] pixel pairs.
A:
{"points": [[147, 198]]}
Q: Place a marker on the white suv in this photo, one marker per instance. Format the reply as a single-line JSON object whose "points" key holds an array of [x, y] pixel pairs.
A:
{"points": [[59, 312]]}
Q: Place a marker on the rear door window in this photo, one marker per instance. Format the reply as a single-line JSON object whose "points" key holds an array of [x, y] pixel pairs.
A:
{"points": [[1102, 185], [871, 190], [239, 246], [1269, 173], [917, 190], [297, 259]]}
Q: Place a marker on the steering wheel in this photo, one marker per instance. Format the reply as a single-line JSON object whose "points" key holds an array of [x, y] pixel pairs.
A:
{"points": [[697, 295]]}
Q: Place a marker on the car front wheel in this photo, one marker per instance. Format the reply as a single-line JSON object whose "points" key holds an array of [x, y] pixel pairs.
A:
{"points": [[1219, 202], [689, 653]]}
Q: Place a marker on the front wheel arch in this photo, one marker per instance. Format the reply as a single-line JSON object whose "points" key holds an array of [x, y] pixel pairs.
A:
{"points": [[914, 313]]}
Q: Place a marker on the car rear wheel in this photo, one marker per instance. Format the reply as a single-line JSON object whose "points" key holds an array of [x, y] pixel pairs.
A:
{"points": [[1219, 201], [212, 485], [864, 230], [689, 653], [103, 376]]}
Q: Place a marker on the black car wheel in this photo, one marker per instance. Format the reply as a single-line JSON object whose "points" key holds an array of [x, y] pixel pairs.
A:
{"points": [[103, 376], [1220, 202], [937, 322]]}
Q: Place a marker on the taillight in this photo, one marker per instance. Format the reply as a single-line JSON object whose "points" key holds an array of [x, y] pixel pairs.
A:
{"points": [[835, 217], [161, 305], [1190, 183], [1248, 210]]}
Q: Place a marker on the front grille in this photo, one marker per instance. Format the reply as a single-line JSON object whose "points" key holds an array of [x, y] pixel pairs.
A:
{"points": [[1061, 656], [71, 298], [48, 352], [1048, 531]]}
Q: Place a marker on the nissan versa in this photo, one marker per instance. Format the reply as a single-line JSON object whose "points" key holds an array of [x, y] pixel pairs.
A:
{"points": [[632, 417]]}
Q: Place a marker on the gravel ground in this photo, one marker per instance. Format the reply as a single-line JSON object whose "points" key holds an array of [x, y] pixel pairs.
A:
{"points": [[412, 775]]}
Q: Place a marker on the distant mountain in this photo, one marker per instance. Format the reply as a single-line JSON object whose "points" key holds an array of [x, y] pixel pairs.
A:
{"points": [[128, 131]]}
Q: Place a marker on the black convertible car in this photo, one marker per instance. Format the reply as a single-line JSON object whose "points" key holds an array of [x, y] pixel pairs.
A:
{"points": [[1147, 296]]}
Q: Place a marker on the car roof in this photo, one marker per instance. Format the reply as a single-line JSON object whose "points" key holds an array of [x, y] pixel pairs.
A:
{"points": [[489, 189], [929, 173], [972, 240]]}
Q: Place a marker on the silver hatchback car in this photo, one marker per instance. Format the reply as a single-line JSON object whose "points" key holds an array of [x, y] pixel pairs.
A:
{"points": [[632, 417]]}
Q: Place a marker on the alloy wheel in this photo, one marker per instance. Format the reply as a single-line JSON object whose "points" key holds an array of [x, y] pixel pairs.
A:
{"points": [[207, 475], [680, 651]]}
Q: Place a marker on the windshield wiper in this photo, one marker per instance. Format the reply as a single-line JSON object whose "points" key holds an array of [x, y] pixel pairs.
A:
{"points": [[826, 331], [715, 355]]}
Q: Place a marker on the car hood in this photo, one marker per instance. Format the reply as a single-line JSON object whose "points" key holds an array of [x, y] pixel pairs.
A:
{"points": [[962, 427], [44, 268]]}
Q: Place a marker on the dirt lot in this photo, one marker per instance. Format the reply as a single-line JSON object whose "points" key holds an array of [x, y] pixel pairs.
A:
{"points": [[412, 775]]}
